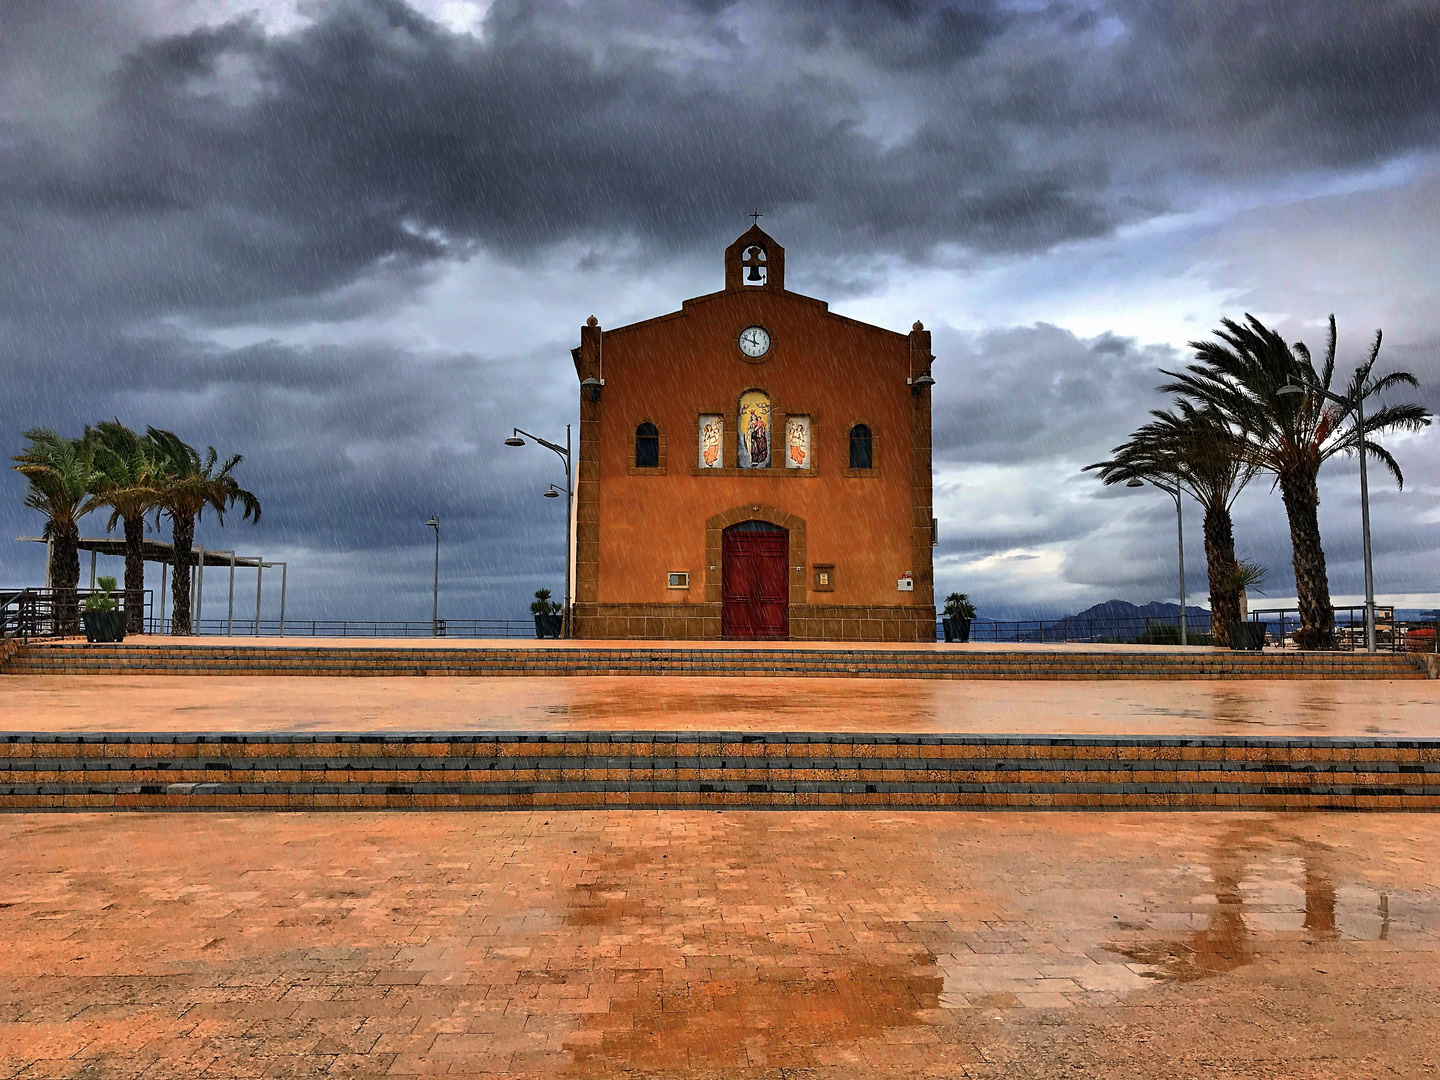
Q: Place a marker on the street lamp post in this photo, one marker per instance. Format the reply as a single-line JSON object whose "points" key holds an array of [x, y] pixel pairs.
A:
{"points": [[563, 453], [1174, 493], [1358, 404], [434, 523]]}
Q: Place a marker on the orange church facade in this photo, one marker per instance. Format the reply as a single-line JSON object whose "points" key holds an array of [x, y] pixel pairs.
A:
{"points": [[754, 466]]}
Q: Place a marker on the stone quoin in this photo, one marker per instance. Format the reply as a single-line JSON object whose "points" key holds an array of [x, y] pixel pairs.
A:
{"points": [[754, 466]]}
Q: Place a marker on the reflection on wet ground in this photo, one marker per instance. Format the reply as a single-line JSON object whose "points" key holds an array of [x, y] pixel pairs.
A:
{"points": [[692, 944], [1258, 886], [270, 703]]}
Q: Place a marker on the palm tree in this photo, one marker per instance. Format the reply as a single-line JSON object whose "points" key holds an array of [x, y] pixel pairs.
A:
{"points": [[1196, 449], [188, 485], [1291, 436], [130, 488], [62, 476]]}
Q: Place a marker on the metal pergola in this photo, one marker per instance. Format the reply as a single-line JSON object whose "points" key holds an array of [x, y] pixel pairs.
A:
{"points": [[160, 551]]}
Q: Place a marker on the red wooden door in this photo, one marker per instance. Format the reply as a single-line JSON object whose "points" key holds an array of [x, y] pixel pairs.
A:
{"points": [[755, 581]]}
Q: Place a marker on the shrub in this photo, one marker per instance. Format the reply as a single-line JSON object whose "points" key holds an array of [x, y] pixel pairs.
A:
{"points": [[1158, 633], [958, 605], [106, 602]]}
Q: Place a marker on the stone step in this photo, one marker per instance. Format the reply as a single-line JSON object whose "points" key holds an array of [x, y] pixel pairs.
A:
{"points": [[439, 770], [959, 664]]}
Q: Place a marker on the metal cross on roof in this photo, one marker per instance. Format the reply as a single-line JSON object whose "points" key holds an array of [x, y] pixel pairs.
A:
{"points": [[756, 216]]}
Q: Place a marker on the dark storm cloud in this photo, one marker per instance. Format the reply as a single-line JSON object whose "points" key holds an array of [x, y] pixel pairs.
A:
{"points": [[1294, 80], [350, 450], [1040, 393], [1019, 411], [227, 168], [904, 35], [235, 174]]}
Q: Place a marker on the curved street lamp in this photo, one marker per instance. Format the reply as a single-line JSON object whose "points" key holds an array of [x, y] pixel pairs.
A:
{"points": [[563, 453], [1174, 493]]}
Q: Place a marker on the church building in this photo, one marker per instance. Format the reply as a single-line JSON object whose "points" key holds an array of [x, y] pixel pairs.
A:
{"points": [[754, 466]]}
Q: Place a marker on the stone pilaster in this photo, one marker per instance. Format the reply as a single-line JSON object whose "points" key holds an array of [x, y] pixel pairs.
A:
{"points": [[922, 502], [587, 484]]}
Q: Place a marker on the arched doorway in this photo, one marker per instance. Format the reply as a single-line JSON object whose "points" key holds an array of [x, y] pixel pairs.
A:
{"points": [[754, 581]]}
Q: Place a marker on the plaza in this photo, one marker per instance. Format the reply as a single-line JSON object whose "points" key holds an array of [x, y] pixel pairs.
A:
{"points": [[537, 941], [704, 944]]}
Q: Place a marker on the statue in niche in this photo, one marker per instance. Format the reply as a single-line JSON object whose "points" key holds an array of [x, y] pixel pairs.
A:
{"points": [[759, 440]]}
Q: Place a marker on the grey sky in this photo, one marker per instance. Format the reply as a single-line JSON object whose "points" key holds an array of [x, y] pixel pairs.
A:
{"points": [[355, 240]]}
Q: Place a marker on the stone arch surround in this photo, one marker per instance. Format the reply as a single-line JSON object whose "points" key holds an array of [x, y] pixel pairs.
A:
{"points": [[717, 524]]}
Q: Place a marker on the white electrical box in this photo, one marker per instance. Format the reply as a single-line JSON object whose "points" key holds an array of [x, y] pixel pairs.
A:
{"points": [[905, 583]]}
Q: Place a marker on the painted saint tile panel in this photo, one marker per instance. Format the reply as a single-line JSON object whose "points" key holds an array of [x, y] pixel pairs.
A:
{"points": [[712, 441], [797, 442]]}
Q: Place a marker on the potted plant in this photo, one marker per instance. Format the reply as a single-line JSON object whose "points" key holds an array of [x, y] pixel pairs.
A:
{"points": [[1246, 634], [104, 621], [959, 614], [549, 615]]}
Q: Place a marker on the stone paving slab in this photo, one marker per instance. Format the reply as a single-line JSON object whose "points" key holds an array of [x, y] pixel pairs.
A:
{"points": [[735, 944], [299, 641], [775, 660], [77, 703]]}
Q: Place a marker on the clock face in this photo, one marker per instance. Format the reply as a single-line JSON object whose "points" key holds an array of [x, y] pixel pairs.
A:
{"points": [[755, 341]]}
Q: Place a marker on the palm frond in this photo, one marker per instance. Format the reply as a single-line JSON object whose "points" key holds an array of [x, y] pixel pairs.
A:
{"points": [[1375, 450]]}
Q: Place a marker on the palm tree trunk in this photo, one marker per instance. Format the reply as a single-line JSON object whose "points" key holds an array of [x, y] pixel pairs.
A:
{"points": [[135, 574], [65, 578], [1220, 565], [1312, 586], [182, 535]]}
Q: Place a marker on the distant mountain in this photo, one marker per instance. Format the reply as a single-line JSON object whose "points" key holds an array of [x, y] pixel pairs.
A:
{"points": [[1124, 610], [1114, 620]]}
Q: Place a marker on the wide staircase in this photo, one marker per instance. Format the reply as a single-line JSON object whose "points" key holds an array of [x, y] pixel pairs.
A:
{"points": [[74, 658], [580, 770]]}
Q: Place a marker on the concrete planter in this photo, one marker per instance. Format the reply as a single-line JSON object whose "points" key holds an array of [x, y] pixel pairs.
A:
{"points": [[1248, 636], [104, 627], [549, 625], [957, 629]]}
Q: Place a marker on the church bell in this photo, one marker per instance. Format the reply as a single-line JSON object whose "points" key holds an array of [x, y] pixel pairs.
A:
{"points": [[754, 273]]}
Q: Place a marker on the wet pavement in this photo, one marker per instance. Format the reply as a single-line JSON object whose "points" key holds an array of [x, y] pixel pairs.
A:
{"points": [[738, 944], [1373, 708], [299, 641]]}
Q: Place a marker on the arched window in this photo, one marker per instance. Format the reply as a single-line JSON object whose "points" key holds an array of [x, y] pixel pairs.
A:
{"points": [[862, 448], [647, 446]]}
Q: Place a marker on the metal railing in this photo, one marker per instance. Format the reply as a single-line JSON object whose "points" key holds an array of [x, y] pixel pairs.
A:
{"points": [[1391, 634], [1164, 630], [362, 628], [27, 613]]}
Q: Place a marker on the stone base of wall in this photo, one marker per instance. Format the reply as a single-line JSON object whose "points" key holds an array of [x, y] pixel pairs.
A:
{"points": [[701, 622], [881, 622], [647, 622]]}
